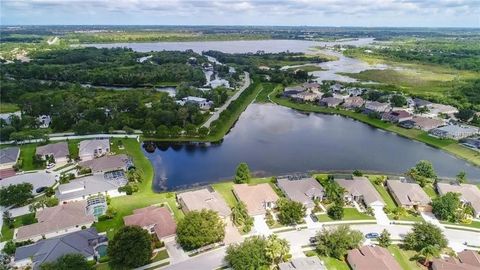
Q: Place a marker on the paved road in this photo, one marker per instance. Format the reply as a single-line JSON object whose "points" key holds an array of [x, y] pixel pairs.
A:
{"points": [[216, 114], [297, 239]]}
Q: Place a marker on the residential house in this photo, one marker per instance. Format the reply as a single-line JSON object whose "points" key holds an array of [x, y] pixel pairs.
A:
{"points": [[397, 116], [304, 190], [409, 195], [203, 103], [258, 198], [469, 194], [90, 149], [219, 82], [360, 190], [59, 151], [8, 116], [307, 263], [81, 188], [330, 102], [436, 109], [421, 102], [107, 163], [455, 132], [55, 221], [372, 257], [375, 106], [305, 96], [205, 198], [311, 86], [39, 180], [293, 90], [353, 102], [156, 220], [425, 123], [355, 92], [44, 121], [9, 157], [84, 242], [467, 260], [336, 87]]}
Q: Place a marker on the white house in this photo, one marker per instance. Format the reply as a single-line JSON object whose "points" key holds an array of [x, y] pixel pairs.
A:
{"points": [[90, 149]]}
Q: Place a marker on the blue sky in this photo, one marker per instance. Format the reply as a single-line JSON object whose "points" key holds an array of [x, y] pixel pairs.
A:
{"points": [[408, 13]]}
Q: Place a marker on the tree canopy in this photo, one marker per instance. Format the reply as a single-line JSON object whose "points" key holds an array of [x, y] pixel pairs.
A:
{"points": [[67, 262], [423, 235], [200, 228], [335, 242], [290, 212], [16, 194], [242, 174], [446, 207], [130, 247]]}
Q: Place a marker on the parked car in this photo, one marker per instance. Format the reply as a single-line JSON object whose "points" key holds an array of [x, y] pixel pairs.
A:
{"points": [[372, 235], [40, 189], [313, 240], [51, 165], [313, 217]]}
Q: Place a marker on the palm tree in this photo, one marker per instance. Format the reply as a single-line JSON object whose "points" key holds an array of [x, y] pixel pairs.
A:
{"points": [[399, 212], [428, 253]]}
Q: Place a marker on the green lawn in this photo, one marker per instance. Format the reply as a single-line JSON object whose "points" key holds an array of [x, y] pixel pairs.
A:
{"points": [[9, 108], [383, 192], [161, 255], [349, 214], [403, 257], [27, 152], [144, 197], [430, 191], [73, 148], [307, 68], [334, 264], [102, 266], [226, 189], [474, 224], [7, 233]]}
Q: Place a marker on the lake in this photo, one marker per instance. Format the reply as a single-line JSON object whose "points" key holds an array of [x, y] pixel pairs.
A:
{"points": [[276, 140]]}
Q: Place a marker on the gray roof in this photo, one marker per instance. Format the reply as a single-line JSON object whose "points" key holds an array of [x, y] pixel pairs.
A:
{"points": [[204, 198], [106, 163], [302, 190], [88, 147], [408, 193], [309, 263], [361, 186], [58, 150], [89, 185], [9, 155], [468, 193], [49, 250], [37, 179]]}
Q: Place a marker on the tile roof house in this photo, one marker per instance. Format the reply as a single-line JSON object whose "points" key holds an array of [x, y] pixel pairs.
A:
{"points": [[436, 109], [303, 190], [82, 188], [59, 151], [376, 106], [305, 96], [55, 221], [157, 220], [353, 102], [81, 242], [360, 189], [336, 87], [397, 116], [90, 149], [467, 260], [308, 263], [205, 198], [37, 179], [455, 132], [469, 194], [372, 257], [313, 86], [425, 123], [9, 157], [421, 102], [107, 163], [409, 195], [292, 90], [330, 101], [258, 198]]}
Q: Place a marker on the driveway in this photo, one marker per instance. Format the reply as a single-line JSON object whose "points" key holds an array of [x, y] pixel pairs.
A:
{"points": [[206, 261], [380, 216], [175, 252], [430, 218], [260, 227], [232, 235]]}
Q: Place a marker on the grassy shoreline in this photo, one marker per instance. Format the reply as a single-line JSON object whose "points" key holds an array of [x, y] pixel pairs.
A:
{"points": [[450, 146]]}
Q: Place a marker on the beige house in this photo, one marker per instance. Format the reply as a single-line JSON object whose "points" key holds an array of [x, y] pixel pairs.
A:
{"points": [[360, 190], [469, 194], [370, 258], [304, 190], [90, 149], [59, 151], [55, 221], [156, 220], [9, 157], [106, 163], [409, 195], [258, 198], [467, 260]]}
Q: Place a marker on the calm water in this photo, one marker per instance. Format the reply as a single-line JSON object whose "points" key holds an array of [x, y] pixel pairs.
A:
{"points": [[276, 140]]}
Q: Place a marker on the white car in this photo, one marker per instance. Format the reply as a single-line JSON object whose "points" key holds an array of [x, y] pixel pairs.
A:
{"points": [[51, 165]]}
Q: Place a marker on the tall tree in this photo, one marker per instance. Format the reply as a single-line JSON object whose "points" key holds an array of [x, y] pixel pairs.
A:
{"points": [[337, 241], [242, 174], [16, 194], [461, 177], [67, 262], [130, 247], [446, 207], [200, 228], [384, 239], [290, 212], [423, 235]]}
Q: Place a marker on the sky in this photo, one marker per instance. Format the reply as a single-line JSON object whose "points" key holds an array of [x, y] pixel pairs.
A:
{"points": [[369, 13]]}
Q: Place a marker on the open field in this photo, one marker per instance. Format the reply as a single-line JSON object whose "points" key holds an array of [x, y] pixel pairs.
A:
{"points": [[8, 107], [306, 68]]}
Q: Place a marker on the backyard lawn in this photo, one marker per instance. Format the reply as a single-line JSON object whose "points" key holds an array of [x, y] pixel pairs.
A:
{"points": [[349, 214], [334, 264], [27, 152], [226, 189], [383, 192], [430, 191], [403, 257], [7, 233]]}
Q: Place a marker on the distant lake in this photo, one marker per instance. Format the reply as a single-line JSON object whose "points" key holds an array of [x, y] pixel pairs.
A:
{"points": [[234, 46], [275, 140]]}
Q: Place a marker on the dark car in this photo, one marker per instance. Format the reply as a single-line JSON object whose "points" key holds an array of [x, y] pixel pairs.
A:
{"points": [[313, 217], [313, 240], [40, 189], [371, 235]]}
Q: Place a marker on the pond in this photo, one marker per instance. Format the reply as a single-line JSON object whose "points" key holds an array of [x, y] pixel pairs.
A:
{"points": [[275, 140]]}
